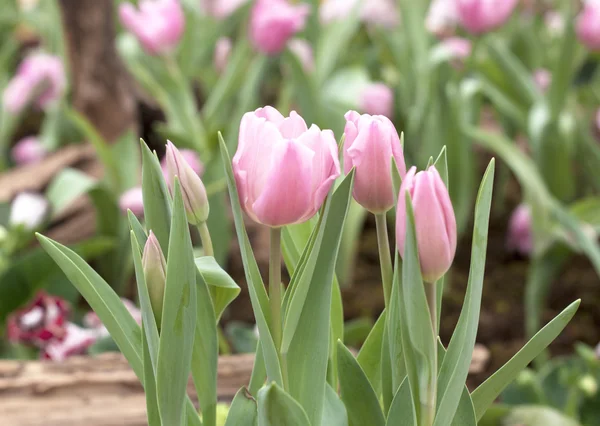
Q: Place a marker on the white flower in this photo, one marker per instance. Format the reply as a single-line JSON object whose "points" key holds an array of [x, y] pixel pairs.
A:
{"points": [[28, 210]]}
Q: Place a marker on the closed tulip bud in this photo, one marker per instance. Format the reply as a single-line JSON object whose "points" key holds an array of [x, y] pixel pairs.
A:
{"points": [[133, 200], [481, 16], [157, 24], [192, 188], [155, 273], [28, 150], [274, 22], [520, 236], [435, 223], [191, 157], [222, 53], [283, 170], [28, 210], [377, 99], [370, 144], [40, 80], [588, 28]]}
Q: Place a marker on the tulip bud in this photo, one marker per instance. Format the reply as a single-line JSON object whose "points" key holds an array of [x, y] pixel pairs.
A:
{"points": [[588, 29], [158, 24], [222, 52], [274, 22], [191, 157], [155, 273], [377, 99], [542, 78], [28, 210], [520, 235], [370, 143], [192, 188], [28, 150], [303, 51], [40, 80], [435, 223], [282, 169], [481, 16], [133, 200]]}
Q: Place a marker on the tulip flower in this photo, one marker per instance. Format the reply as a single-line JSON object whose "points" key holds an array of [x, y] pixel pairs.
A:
{"points": [[442, 17], [28, 210], [133, 200], [76, 341], [304, 52], [192, 188], [520, 236], [222, 52], [28, 150], [274, 22], [370, 144], [155, 267], [377, 99], [191, 157], [42, 321], [542, 78], [221, 9], [157, 24], [435, 222], [588, 27], [481, 16], [282, 169], [40, 80], [457, 47]]}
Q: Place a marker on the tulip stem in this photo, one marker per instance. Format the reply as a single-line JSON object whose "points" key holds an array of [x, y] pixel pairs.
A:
{"points": [[207, 245], [429, 412], [275, 285], [385, 258]]}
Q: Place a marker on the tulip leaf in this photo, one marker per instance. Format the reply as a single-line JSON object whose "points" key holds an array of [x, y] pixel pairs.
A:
{"points": [[109, 308], [256, 288], [387, 373], [277, 408], [334, 410], [369, 356], [150, 383], [137, 228], [484, 396], [67, 186], [308, 319], [394, 330], [243, 410], [455, 367], [157, 204], [223, 288], [259, 373], [178, 318], [401, 406], [359, 397]]}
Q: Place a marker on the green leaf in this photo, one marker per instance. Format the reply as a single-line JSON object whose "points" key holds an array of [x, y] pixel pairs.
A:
{"points": [[465, 412], [307, 323], [369, 356], [355, 223], [563, 71], [67, 186], [334, 411], [455, 367], [401, 406], [256, 288], [243, 410], [538, 415], [178, 318], [223, 288], [152, 413], [488, 391], [259, 373], [157, 205], [356, 391], [137, 228], [277, 408], [127, 158], [397, 364]]}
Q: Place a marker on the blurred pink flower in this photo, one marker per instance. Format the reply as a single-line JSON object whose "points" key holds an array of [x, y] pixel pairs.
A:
{"points": [[133, 200], [304, 52], [27, 151], [75, 342], [221, 56], [40, 80], [542, 78], [598, 119], [588, 25], [93, 322], [442, 17], [222, 9], [372, 12], [555, 23], [520, 235], [274, 22], [481, 16], [377, 99], [459, 48]]}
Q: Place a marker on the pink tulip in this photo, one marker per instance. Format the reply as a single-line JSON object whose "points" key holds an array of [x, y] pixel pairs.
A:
{"points": [[435, 223], [155, 273], [370, 144], [442, 17], [222, 52], [542, 78], [520, 236], [304, 52], [459, 48], [191, 157], [157, 24], [28, 150], [282, 169], [588, 25], [377, 99], [274, 22], [221, 9], [192, 188], [372, 12], [77, 340], [481, 16], [40, 80], [133, 200]]}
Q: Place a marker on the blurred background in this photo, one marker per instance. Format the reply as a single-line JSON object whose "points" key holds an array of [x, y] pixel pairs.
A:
{"points": [[518, 80]]}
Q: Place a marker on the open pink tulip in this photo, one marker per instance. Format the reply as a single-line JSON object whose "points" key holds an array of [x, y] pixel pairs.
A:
{"points": [[377, 99], [435, 222], [370, 144], [588, 25], [133, 200], [40, 80], [274, 22], [28, 150], [283, 170], [520, 236], [481, 16], [157, 24]]}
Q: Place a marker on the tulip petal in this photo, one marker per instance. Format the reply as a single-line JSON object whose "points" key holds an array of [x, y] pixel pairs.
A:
{"points": [[293, 126], [443, 197]]}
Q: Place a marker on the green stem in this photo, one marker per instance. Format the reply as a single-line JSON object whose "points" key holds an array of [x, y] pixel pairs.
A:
{"points": [[207, 245], [385, 258], [275, 285], [429, 411]]}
